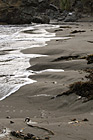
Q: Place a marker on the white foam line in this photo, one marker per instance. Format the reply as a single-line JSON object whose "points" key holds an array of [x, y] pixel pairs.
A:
{"points": [[41, 95], [17, 88], [49, 70], [43, 37]]}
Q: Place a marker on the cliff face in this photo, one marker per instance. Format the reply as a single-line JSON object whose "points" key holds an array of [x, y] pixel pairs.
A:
{"points": [[79, 5], [39, 11], [23, 11]]}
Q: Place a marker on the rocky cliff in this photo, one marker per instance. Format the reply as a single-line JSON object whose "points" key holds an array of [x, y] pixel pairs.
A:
{"points": [[41, 11], [23, 11]]}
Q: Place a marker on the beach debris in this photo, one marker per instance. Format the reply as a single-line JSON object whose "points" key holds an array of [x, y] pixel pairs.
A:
{"points": [[66, 58], [78, 98], [43, 128], [85, 120], [8, 117], [27, 136], [47, 138], [27, 119], [17, 134], [77, 31], [54, 82], [4, 132], [73, 121], [83, 89], [90, 41], [89, 59], [11, 122]]}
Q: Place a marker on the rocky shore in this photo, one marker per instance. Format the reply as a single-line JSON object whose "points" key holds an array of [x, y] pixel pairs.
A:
{"points": [[41, 11]]}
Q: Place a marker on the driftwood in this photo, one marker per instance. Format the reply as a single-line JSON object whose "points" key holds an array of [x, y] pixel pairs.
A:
{"points": [[39, 127]]}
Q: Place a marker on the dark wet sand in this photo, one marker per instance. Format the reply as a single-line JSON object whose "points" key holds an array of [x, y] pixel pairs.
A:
{"points": [[54, 114]]}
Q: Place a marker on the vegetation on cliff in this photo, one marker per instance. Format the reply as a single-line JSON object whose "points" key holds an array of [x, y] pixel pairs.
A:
{"points": [[83, 5]]}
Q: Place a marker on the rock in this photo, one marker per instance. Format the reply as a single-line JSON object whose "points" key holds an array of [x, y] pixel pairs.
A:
{"points": [[73, 119], [29, 135], [11, 122], [23, 11], [85, 120], [27, 119], [47, 138], [53, 7], [41, 19], [8, 117], [43, 5], [71, 17], [77, 31], [90, 59], [30, 2]]}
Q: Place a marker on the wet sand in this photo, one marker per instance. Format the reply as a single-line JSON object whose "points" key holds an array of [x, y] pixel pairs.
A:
{"points": [[36, 100]]}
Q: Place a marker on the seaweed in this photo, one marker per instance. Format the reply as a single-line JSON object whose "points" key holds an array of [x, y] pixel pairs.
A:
{"points": [[89, 59], [83, 89], [66, 58]]}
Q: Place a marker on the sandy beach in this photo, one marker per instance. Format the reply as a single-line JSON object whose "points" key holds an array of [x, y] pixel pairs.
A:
{"points": [[65, 115]]}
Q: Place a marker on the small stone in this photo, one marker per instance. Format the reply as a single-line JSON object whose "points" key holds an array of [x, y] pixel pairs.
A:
{"points": [[8, 117], [11, 122], [85, 120], [33, 138], [46, 138], [73, 119], [30, 135]]}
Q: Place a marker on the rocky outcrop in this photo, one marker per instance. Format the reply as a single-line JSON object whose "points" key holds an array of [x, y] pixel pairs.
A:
{"points": [[23, 11], [41, 11]]}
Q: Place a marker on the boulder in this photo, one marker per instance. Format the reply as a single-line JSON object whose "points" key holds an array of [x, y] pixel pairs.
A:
{"points": [[23, 11], [41, 19], [71, 17]]}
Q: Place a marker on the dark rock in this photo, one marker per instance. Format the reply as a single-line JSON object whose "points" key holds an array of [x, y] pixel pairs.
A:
{"points": [[27, 119], [73, 119], [41, 19], [90, 59], [71, 17], [43, 5], [29, 135], [46, 138], [11, 122], [13, 133], [30, 2], [8, 117], [23, 11], [53, 7], [85, 120], [78, 31]]}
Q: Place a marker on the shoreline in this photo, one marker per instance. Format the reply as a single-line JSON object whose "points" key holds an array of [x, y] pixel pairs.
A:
{"points": [[54, 114]]}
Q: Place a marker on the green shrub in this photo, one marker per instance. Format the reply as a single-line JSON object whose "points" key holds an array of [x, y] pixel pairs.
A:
{"points": [[65, 5]]}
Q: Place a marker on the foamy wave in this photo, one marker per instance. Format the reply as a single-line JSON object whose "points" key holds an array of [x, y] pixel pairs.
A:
{"points": [[14, 64]]}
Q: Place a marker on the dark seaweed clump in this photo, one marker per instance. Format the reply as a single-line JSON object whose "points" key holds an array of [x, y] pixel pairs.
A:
{"points": [[83, 89], [90, 59]]}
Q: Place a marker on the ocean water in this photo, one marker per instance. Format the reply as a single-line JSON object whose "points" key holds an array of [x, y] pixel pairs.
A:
{"points": [[13, 63]]}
